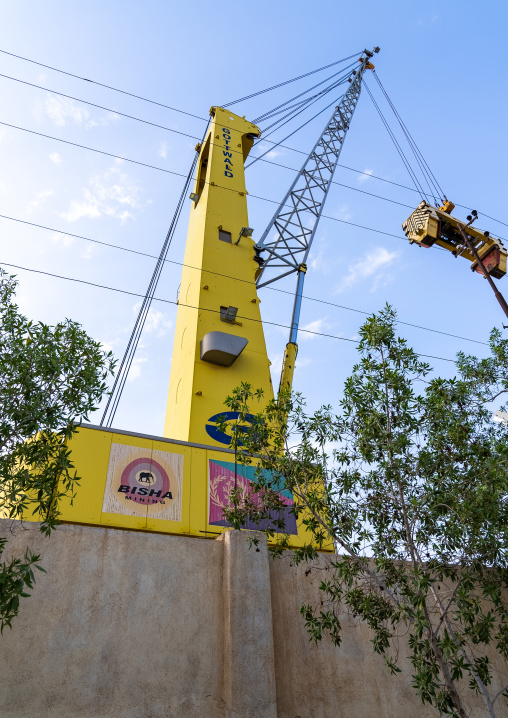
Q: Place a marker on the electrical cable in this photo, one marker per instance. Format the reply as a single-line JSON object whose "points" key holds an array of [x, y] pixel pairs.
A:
{"points": [[255, 158], [190, 306], [178, 174], [155, 102], [226, 276], [195, 137], [101, 84]]}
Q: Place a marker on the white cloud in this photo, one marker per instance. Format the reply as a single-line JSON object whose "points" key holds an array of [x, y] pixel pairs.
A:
{"points": [[55, 158], [111, 194], [89, 251], [156, 322], [63, 239], [312, 329], [102, 121], [271, 154], [163, 150], [60, 109], [342, 212], [135, 371], [372, 265], [39, 200], [365, 176]]}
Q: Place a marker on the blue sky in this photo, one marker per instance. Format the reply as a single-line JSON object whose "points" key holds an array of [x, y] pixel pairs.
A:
{"points": [[441, 62]]}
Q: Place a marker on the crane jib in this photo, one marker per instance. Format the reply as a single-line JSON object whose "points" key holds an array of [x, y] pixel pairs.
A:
{"points": [[288, 238]]}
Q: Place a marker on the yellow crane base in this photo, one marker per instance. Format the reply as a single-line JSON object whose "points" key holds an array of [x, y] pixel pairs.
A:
{"points": [[152, 483]]}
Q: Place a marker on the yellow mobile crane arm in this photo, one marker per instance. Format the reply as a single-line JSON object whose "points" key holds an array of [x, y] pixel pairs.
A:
{"points": [[429, 225]]}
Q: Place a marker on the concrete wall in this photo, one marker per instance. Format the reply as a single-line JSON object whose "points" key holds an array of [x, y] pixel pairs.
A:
{"points": [[136, 625]]}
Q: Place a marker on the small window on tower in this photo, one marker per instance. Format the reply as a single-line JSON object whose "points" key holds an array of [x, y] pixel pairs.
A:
{"points": [[224, 236]]}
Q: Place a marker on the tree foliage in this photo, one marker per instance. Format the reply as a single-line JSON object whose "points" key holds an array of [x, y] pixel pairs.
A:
{"points": [[51, 377], [410, 482]]}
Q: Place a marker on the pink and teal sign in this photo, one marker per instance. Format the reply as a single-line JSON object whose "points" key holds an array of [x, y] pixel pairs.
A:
{"points": [[222, 482]]}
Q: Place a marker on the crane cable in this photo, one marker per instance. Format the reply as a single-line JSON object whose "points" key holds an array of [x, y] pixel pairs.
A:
{"points": [[278, 109], [294, 79], [126, 363], [399, 149], [194, 137], [416, 150]]}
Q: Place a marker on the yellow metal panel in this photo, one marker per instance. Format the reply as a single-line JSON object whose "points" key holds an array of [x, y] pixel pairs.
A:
{"points": [[140, 446], [109, 462], [154, 522], [199, 493], [90, 455], [217, 273]]}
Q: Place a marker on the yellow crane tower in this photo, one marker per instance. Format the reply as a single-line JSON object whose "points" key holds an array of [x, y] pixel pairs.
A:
{"points": [[219, 340], [180, 482]]}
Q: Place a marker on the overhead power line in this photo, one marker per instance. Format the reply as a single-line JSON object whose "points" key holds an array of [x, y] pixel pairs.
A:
{"points": [[227, 276], [193, 137], [101, 84], [190, 306], [180, 174], [203, 119]]}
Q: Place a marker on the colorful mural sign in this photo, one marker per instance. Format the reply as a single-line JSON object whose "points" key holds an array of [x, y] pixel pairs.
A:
{"points": [[221, 482], [142, 482]]}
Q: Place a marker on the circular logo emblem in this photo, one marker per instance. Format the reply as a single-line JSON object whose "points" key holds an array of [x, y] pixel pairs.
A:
{"points": [[148, 481]]}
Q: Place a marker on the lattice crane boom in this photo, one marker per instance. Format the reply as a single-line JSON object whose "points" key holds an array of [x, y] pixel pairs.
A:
{"points": [[290, 233]]}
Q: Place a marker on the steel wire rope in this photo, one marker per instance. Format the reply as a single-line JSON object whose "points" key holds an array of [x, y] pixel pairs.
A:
{"points": [[432, 187], [287, 82], [410, 139], [227, 276], [397, 145], [191, 306], [126, 363], [195, 137], [300, 106], [276, 144], [277, 109], [292, 115]]}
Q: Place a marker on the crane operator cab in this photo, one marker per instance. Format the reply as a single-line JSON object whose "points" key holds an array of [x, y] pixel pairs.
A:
{"points": [[430, 225]]}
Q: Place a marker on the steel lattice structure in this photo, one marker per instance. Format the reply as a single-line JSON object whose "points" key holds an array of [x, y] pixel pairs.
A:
{"points": [[289, 235]]}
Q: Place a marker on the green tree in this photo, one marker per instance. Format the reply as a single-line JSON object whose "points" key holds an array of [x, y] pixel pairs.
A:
{"points": [[50, 379], [410, 482]]}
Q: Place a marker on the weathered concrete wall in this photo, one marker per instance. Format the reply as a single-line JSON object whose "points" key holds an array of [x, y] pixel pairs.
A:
{"points": [[124, 625], [138, 625]]}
